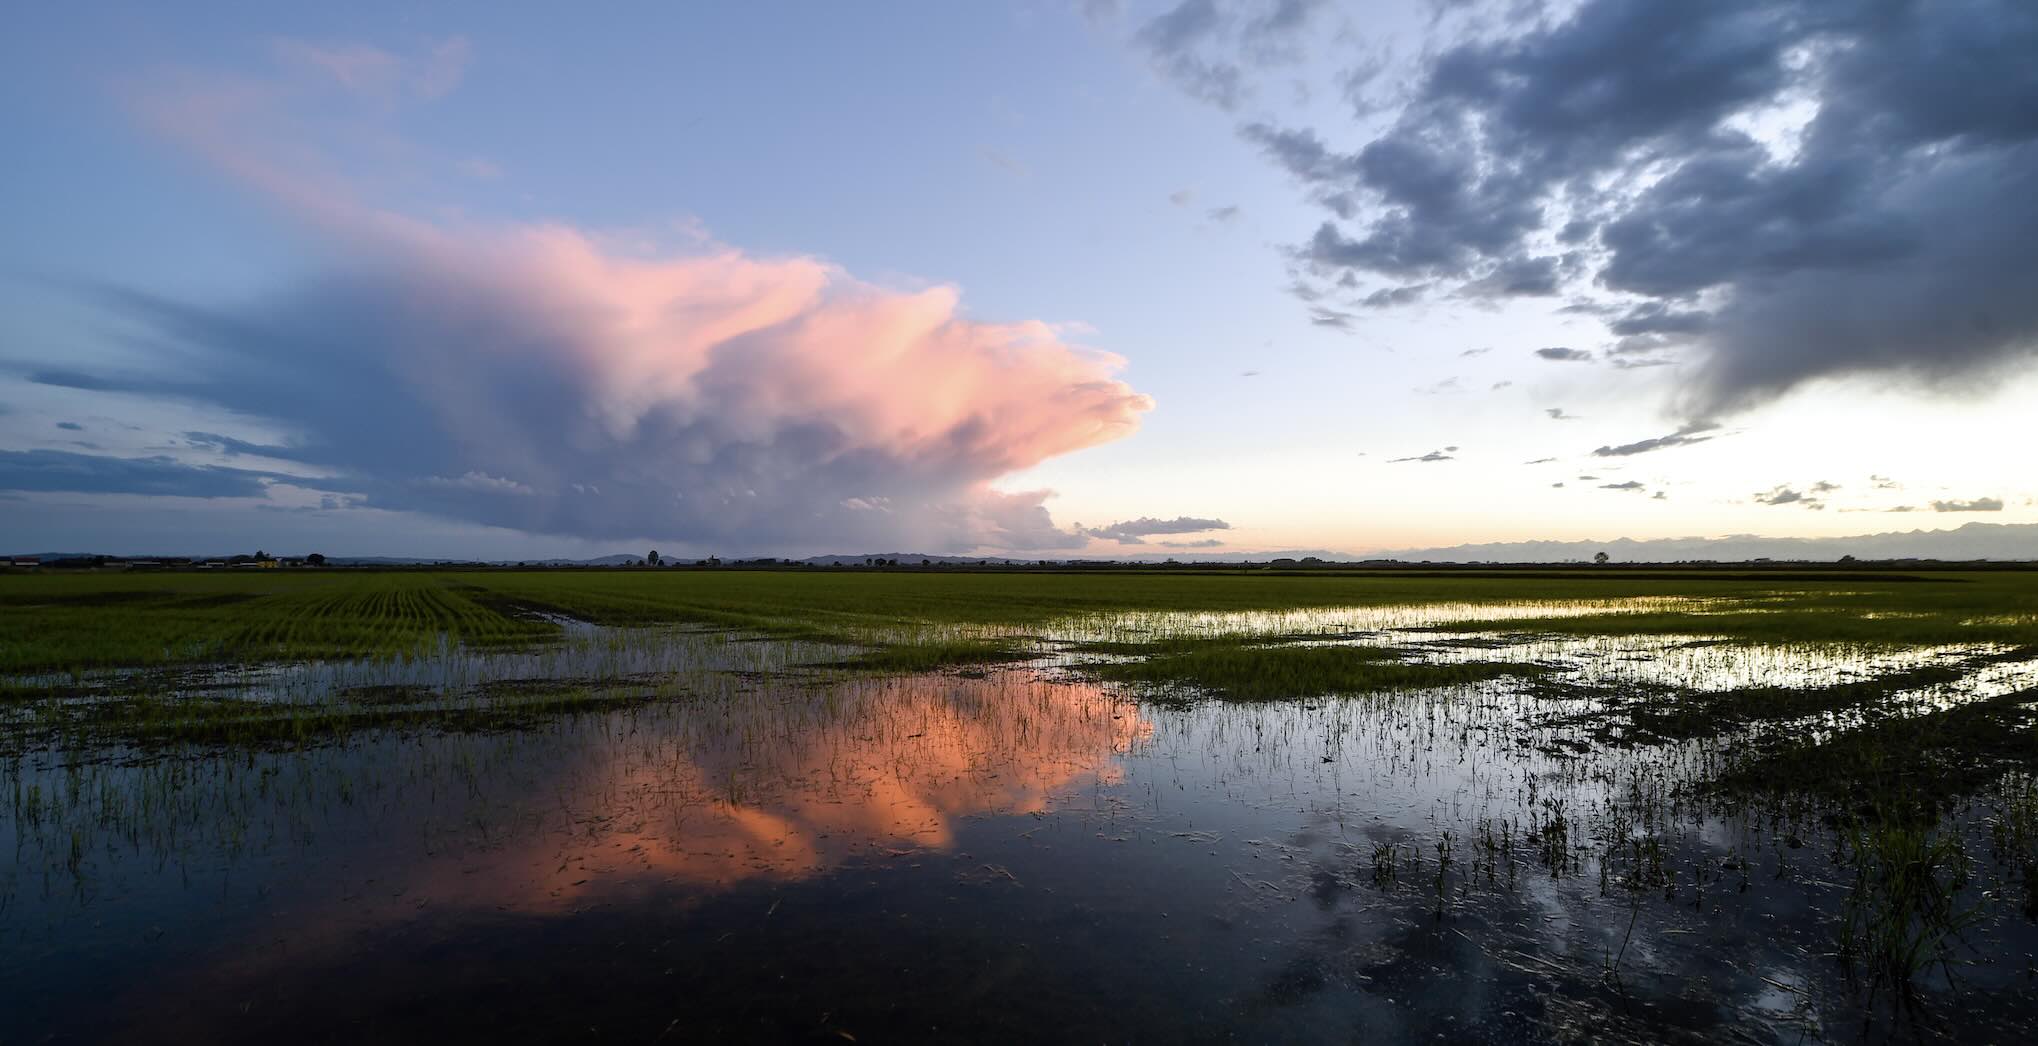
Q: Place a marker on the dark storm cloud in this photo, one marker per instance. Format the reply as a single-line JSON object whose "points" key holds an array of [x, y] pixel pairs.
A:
{"points": [[1136, 531], [1881, 223], [1696, 432], [1561, 354], [58, 471], [1977, 505]]}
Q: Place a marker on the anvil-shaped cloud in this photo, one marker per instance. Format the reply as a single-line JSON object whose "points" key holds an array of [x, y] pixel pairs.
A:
{"points": [[529, 378], [547, 379]]}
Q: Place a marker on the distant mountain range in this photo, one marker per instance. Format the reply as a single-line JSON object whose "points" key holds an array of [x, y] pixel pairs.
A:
{"points": [[1995, 541]]}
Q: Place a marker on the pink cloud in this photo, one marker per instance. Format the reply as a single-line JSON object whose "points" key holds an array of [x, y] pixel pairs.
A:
{"points": [[705, 392]]}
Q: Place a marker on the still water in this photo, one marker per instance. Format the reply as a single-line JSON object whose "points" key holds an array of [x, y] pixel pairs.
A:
{"points": [[1016, 854]]}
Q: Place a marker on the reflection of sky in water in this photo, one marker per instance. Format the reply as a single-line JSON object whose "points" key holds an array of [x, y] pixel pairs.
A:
{"points": [[1005, 852], [1149, 625], [1118, 869]]}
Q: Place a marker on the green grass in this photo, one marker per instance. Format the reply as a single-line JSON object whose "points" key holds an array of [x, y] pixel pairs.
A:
{"points": [[58, 622], [66, 623], [1240, 671], [1675, 715], [1898, 768], [1940, 608]]}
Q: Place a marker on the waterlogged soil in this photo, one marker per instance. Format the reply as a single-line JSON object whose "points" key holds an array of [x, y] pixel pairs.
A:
{"points": [[1030, 851]]}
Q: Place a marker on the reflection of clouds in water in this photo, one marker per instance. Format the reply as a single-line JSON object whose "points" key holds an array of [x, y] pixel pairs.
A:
{"points": [[781, 791], [707, 795]]}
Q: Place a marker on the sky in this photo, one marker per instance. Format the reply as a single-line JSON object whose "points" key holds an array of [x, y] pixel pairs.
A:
{"points": [[1035, 279]]}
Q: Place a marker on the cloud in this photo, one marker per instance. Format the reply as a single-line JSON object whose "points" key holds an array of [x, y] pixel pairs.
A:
{"points": [[1209, 47], [1175, 39], [1224, 214], [483, 483], [1389, 297], [554, 380], [1518, 278], [1203, 543], [1628, 485], [1557, 414], [231, 447], [1005, 162], [1784, 495], [1446, 454], [1135, 531], [1791, 189], [1657, 318], [1331, 318], [1696, 432], [362, 69], [1560, 354], [1182, 197], [70, 426], [710, 396], [1099, 12], [1206, 48], [58, 471], [1977, 505], [1539, 461]]}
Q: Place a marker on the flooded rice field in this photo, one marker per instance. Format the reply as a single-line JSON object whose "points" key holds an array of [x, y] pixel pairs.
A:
{"points": [[1110, 831]]}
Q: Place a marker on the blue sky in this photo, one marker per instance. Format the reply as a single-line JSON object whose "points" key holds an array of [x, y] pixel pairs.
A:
{"points": [[207, 204]]}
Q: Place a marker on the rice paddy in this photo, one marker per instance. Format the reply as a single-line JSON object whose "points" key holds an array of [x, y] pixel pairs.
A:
{"points": [[898, 805]]}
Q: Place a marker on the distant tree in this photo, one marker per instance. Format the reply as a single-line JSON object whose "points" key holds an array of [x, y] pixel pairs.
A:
{"points": [[1846, 559], [1600, 558], [315, 559], [652, 558], [259, 554]]}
